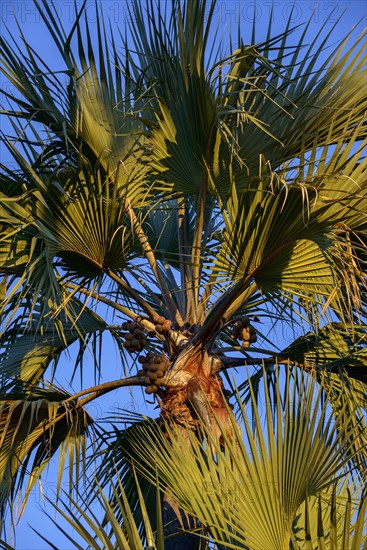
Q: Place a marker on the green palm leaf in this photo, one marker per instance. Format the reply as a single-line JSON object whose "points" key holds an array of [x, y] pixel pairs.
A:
{"points": [[110, 532], [88, 111], [116, 471], [340, 347], [268, 475], [326, 520], [287, 237], [29, 347], [38, 423]]}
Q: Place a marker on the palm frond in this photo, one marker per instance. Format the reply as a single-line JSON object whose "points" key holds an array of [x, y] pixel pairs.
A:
{"points": [[87, 111], [38, 424], [289, 238], [29, 345], [330, 348], [110, 532], [327, 520], [116, 471], [268, 475]]}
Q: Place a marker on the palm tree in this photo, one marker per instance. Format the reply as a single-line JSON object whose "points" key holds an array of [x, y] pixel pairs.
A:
{"points": [[177, 200]]}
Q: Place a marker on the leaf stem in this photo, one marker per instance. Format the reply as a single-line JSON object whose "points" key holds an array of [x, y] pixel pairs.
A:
{"points": [[197, 249], [102, 299], [161, 282], [231, 362], [96, 391]]}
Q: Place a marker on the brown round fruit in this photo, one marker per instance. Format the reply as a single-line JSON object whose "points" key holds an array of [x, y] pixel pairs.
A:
{"points": [[245, 334], [167, 325], [153, 367]]}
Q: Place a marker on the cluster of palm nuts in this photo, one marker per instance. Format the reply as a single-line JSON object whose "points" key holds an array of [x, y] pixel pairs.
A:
{"points": [[154, 368], [135, 337], [243, 330], [162, 325]]}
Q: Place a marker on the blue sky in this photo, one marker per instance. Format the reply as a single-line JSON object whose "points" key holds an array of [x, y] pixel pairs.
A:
{"points": [[228, 13]]}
